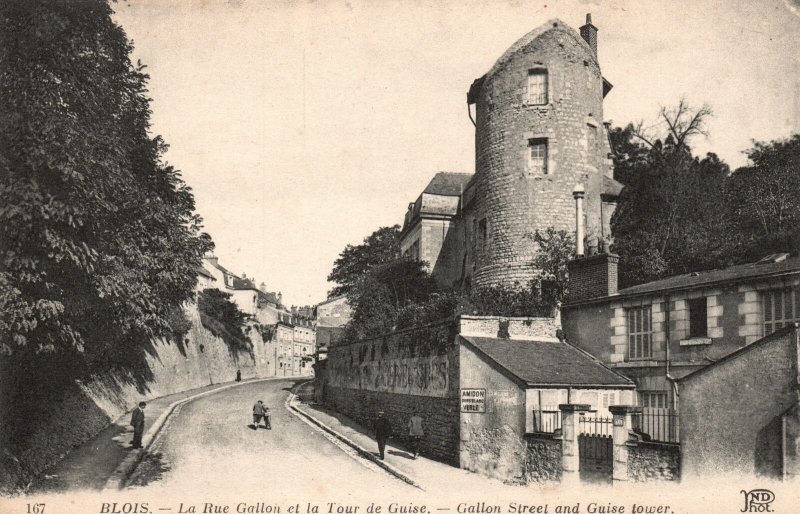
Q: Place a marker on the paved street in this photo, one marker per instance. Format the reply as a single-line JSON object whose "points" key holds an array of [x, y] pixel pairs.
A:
{"points": [[210, 445]]}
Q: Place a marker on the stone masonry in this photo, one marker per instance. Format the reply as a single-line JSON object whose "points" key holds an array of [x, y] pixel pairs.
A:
{"points": [[512, 198]]}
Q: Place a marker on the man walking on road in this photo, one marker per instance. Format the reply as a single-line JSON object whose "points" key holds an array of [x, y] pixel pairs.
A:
{"points": [[137, 420], [415, 432], [382, 432], [258, 413]]}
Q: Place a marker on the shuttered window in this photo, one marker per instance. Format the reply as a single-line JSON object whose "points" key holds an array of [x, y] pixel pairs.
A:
{"points": [[639, 333]]}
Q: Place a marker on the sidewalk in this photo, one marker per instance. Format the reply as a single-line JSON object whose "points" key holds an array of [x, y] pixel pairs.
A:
{"points": [[425, 473], [90, 465]]}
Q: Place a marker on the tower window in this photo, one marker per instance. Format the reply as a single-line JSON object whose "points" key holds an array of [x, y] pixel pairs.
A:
{"points": [[537, 87], [537, 156]]}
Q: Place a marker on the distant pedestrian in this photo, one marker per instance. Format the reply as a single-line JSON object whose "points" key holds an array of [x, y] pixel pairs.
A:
{"points": [[258, 413], [383, 430], [267, 418], [238, 375], [137, 420], [415, 432]]}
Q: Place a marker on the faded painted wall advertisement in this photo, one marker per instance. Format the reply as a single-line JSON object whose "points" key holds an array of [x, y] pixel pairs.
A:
{"points": [[422, 376]]}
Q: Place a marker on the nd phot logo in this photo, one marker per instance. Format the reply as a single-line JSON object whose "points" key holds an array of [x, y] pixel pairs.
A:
{"points": [[758, 500]]}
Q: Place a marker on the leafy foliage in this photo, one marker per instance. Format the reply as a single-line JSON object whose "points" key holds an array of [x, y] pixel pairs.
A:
{"points": [[223, 318], [402, 294], [99, 236], [763, 199], [380, 295], [667, 219], [679, 213], [355, 262]]}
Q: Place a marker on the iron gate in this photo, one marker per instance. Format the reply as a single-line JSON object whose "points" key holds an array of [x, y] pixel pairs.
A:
{"points": [[595, 448]]}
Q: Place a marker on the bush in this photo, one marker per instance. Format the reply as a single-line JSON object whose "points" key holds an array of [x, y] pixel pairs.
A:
{"points": [[223, 318]]}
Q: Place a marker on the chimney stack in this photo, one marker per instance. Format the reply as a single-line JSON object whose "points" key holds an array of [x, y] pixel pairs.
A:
{"points": [[592, 277], [212, 259], [589, 34]]}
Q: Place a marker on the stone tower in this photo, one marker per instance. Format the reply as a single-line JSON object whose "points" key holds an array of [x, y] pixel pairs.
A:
{"points": [[539, 135]]}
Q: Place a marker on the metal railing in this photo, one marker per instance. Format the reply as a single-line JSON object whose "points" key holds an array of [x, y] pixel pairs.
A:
{"points": [[595, 425], [659, 425], [546, 420]]}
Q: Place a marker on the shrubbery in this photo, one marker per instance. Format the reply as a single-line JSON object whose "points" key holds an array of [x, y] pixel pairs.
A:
{"points": [[223, 319]]}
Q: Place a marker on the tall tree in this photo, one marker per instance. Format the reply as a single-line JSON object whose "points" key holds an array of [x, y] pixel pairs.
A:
{"points": [[98, 235], [665, 222], [353, 264], [763, 199]]}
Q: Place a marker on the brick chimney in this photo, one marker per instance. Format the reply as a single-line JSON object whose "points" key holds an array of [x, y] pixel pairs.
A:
{"points": [[212, 259], [592, 277], [589, 34]]}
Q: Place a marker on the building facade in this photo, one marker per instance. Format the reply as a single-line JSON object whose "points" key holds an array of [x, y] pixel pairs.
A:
{"points": [[540, 141], [658, 332]]}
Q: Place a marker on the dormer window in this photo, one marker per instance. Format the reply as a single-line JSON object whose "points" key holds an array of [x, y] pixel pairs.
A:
{"points": [[537, 156], [537, 87]]}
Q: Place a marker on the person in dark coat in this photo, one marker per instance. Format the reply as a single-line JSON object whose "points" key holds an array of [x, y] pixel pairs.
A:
{"points": [[383, 430], [137, 420], [258, 413], [238, 375]]}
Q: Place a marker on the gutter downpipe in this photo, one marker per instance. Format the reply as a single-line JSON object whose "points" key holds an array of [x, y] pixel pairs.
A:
{"points": [[669, 377]]}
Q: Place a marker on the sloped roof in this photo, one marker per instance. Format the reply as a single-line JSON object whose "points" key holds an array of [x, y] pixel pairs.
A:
{"points": [[703, 278], [243, 283], [611, 187], [221, 268], [448, 183], [202, 271], [539, 363]]}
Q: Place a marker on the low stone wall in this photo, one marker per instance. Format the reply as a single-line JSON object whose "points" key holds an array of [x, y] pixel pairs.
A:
{"points": [[543, 462], [440, 417], [654, 461]]}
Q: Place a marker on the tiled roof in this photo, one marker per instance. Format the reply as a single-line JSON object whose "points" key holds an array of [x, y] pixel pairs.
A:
{"points": [[547, 363], [448, 184], [703, 278]]}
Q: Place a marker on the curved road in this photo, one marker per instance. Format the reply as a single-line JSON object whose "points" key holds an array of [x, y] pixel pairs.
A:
{"points": [[209, 446]]}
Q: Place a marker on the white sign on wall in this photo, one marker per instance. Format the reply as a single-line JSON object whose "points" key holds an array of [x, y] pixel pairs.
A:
{"points": [[473, 400]]}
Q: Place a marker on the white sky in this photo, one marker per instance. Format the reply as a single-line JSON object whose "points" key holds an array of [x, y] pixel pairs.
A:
{"points": [[304, 126]]}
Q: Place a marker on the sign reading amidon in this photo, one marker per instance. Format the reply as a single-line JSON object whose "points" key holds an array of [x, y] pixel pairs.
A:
{"points": [[473, 400]]}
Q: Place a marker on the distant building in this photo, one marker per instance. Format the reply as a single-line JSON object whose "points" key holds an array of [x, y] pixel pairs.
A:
{"points": [[331, 315], [334, 312], [284, 349], [205, 279], [304, 348]]}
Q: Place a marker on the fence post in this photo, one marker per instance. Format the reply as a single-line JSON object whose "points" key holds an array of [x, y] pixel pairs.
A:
{"points": [[570, 457], [623, 424]]}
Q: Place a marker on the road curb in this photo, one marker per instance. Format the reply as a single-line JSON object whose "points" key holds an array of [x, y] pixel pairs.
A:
{"points": [[346, 440], [117, 479]]}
